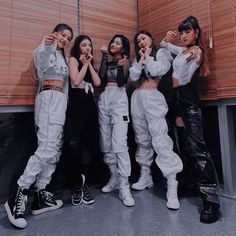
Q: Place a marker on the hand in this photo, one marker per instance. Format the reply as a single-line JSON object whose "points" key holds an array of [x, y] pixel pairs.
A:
{"points": [[170, 35], [141, 52], [104, 48], [83, 59], [194, 52], [50, 38], [89, 57], [147, 52], [123, 61]]}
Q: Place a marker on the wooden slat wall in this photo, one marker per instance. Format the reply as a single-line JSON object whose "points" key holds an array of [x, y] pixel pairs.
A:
{"points": [[102, 19], [23, 25], [161, 16]]}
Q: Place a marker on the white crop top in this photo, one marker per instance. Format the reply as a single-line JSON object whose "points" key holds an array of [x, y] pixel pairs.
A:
{"points": [[155, 68], [50, 64], [183, 70]]}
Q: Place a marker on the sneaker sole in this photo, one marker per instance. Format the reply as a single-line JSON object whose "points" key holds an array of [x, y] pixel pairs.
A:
{"points": [[110, 190], [88, 202], [127, 205], [46, 209], [11, 218], [139, 189], [76, 204]]}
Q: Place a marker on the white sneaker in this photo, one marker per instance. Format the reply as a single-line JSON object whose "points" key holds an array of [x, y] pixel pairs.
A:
{"points": [[126, 197], [112, 185], [145, 180], [172, 198]]}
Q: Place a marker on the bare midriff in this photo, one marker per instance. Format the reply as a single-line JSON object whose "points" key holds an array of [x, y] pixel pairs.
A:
{"points": [[149, 84]]}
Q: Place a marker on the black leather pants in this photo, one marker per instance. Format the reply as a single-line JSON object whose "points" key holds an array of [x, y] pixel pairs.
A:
{"points": [[204, 171]]}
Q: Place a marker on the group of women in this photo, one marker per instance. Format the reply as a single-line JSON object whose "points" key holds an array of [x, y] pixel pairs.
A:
{"points": [[75, 114]]}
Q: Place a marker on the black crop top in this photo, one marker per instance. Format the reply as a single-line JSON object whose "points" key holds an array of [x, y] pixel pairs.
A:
{"points": [[112, 72]]}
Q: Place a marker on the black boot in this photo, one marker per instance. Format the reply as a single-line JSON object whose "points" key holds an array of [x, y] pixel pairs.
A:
{"points": [[210, 212], [15, 209], [44, 201]]}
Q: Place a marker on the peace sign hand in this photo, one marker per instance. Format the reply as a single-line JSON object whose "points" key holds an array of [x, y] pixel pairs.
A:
{"points": [[123, 61]]}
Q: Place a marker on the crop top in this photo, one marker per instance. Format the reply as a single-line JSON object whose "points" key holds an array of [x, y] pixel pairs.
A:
{"points": [[183, 70], [86, 82], [152, 68], [50, 64], [112, 72]]}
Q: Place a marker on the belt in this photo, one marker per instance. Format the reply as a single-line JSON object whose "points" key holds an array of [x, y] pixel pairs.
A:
{"points": [[51, 87], [54, 83]]}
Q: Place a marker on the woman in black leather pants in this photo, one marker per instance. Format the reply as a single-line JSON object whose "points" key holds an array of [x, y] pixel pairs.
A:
{"points": [[190, 60]]}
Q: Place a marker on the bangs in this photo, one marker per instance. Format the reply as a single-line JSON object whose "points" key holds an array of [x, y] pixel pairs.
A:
{"points": [[185, 26]]}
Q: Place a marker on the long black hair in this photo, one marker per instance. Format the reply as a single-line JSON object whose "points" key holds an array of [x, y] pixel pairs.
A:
{"points": [[137, 48], [125, 45], [191, 23], [76, 51]]}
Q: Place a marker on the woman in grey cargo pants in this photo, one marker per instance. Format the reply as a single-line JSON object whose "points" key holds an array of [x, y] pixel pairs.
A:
{"points": [[50, 109]]}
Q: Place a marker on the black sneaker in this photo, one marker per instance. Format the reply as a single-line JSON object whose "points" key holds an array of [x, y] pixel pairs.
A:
{"points": [[43, 202], [87, 197], [210, 212], [15, 211], [77, 196]]}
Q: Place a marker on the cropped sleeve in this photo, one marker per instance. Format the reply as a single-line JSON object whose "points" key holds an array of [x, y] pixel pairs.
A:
{"points": [[135, 71], [161, 65], [171, 47], [42, 57]]}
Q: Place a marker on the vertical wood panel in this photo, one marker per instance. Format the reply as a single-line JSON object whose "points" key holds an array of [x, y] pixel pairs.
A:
{"points": [[102, 19], [24, 23], [161, 16]]}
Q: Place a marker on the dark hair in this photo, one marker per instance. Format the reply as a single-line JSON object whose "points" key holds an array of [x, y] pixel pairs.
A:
{"points": [[125, 44], [136, 47], [60, 27], [75, 50], [191, 23], [63, 26]]}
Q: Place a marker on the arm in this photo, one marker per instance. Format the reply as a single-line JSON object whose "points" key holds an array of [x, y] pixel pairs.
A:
{"points": [[123, 71], [77, 76], [135, 70], [41, 55], [162, 64], [103, 68], [171, 47], [94, 75]]}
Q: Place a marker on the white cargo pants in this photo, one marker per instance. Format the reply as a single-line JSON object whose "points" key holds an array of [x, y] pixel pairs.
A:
{"points": [[50, 110], [148, 110], [113, 123]]}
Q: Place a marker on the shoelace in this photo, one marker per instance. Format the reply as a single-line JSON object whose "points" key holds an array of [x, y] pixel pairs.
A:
{"points": [[112, 182], [77, 192], [20, 204], [48, 196], [127, 193], [86, 192]]}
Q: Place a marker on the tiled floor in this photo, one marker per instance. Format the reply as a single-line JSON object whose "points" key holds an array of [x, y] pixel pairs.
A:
{"points": [[108, 216]]}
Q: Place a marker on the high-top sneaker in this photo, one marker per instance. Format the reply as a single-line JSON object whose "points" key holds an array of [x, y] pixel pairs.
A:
{"points": [[113, 182], [15, 211], [172, 198], [145, 180], [77, 193], [124, 192], [87, 197], [43, 202]]}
